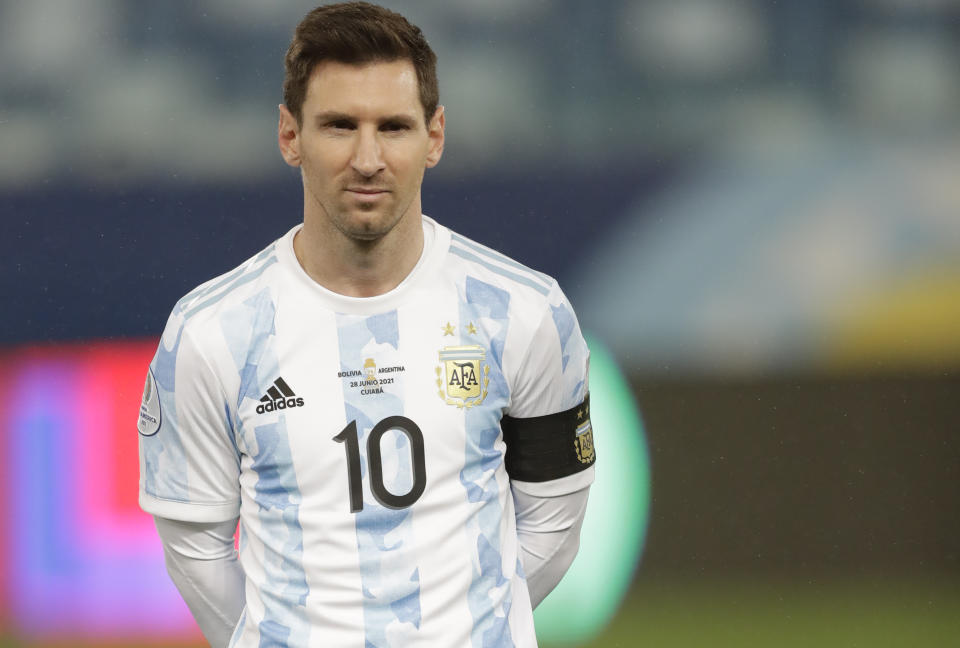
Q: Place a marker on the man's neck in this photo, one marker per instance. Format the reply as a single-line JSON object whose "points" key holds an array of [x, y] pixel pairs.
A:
{"points": [[357, 268]]}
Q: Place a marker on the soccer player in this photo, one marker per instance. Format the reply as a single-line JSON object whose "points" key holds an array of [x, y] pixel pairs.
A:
{"points": [[397, 416]]}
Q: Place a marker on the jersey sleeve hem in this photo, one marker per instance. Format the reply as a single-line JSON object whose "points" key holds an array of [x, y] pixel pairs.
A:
{"points": [[189, 511], [556, 487]]}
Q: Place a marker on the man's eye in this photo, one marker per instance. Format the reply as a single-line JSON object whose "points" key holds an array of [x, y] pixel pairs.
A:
{"points": [[340, 124], [394, 126]]}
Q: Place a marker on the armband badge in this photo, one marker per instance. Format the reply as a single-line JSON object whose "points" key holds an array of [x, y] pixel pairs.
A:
{"points": [[583, 442]]}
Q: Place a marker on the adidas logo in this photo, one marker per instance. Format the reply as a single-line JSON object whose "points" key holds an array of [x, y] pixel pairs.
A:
{"points": [[278, 397]]}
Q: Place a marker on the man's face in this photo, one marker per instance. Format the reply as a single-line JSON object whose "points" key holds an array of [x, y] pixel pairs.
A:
{"points": [[363, 145]]}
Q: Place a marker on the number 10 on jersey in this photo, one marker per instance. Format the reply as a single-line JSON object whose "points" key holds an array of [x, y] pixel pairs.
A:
{"points": [[349, 436]]}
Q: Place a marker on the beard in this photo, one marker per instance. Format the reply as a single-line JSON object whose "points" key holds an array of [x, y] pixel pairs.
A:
{"points": [[359, 220]]}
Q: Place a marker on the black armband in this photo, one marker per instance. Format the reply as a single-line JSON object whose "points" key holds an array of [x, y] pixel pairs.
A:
{"points": [[548, 447]]}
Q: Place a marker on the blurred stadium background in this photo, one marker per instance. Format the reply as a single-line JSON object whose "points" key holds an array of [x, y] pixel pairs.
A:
{"points": [[754, 206]]}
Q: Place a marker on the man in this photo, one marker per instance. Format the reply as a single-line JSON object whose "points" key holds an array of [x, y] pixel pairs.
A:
{"points": [[397, 416]]}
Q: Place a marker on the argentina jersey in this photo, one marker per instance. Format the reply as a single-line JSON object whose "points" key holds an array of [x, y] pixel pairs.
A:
{"points": [[360, 442]]}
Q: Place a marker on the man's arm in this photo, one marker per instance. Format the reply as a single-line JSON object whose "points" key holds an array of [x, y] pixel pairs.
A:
{"points": [[550, 464], [548, 529], [202, 562], [189, 477], [549, 440]]}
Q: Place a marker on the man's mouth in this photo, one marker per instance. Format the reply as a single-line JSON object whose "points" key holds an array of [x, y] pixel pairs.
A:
{"points": [[367, 191]]}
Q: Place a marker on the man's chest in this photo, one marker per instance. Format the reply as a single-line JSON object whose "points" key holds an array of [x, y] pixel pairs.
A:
{"points": [[383, 408]]}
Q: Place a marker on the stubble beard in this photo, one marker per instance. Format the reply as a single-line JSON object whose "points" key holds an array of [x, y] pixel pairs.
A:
{"points": [[366, 224], [363, 224], [336, 215]]}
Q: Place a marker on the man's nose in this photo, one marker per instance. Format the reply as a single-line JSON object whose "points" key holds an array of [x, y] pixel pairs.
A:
{"points": [[368, 156]]}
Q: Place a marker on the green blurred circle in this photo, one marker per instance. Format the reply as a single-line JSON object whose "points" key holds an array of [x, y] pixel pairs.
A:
{"points": [[617, 514]]}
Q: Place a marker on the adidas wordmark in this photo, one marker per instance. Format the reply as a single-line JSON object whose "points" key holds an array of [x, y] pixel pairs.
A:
{"points": [[279, 397]]}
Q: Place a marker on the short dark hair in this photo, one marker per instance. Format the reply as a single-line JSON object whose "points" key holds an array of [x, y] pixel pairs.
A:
{"points": [[357, 33]]}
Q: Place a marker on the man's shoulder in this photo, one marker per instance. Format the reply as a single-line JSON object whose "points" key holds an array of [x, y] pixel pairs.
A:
{"points": [[493, 267], [227, 288]]}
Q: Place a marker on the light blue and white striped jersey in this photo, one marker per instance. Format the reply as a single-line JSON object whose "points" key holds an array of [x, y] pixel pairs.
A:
{"points": [[359, 441]]}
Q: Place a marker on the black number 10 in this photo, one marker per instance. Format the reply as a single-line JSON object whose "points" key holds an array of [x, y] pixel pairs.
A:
{"points": [[350, 437]]}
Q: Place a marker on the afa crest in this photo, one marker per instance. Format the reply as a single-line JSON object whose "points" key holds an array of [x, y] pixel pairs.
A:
{"points": [[463, 376], [583, 442]]}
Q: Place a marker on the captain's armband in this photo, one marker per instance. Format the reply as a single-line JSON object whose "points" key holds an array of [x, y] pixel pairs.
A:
{"points": [[548, 447]]}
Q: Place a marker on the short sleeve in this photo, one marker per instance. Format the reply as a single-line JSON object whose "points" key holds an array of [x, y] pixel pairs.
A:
{"points": [[189, 461], [553, 377]]}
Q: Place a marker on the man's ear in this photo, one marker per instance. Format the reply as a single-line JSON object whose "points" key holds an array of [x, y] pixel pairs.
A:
{"points": [[288, 137], [435, 133]]}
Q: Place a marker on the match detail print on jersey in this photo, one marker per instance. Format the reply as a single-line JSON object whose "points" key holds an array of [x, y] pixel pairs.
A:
{"points": [[548, 447]]}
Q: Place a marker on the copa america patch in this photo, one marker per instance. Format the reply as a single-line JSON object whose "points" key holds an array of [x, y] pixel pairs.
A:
{"points": [[150, 416]]}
